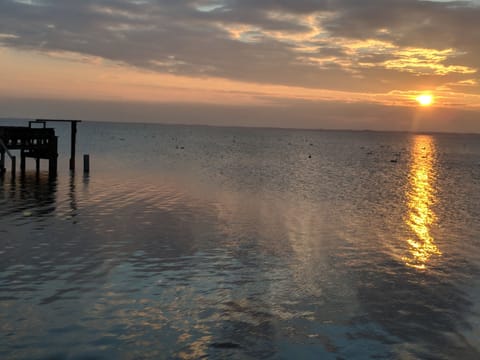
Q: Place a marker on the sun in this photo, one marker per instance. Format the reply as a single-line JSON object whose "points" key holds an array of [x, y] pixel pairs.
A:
{"points": [[425, 99]]}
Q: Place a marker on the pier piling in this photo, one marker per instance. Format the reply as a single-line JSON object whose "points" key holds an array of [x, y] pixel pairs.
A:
{"points": [[23, 161], [2, 161], [14, 165], [86, 163], [73, 142]]}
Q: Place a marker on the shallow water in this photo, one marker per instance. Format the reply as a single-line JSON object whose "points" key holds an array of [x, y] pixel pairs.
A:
{"points": [[190, 242]]}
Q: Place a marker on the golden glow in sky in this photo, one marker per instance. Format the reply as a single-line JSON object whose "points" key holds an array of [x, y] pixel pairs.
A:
{"points": [[425, 99]]}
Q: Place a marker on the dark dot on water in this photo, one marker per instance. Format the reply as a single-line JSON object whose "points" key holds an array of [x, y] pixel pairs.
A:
{"points": [[309, 156]]}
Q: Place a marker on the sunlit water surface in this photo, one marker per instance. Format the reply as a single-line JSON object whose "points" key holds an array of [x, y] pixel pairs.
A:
{"points": [[190, 242]]}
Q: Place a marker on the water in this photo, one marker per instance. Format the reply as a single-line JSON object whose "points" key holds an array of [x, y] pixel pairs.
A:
{"points": [[203, 242]]}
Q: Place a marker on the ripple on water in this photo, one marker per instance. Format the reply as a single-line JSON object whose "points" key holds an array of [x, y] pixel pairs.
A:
{"points": [[245, 249]]}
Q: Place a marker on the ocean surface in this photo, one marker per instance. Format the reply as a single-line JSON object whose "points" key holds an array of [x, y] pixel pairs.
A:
{"points": [[189, 242]]}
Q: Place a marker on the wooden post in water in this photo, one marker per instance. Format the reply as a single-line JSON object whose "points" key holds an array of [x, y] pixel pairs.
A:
{"points": [[52, 161], [37, 166], [86, 163], [23, 161], [72, 144], [14, 165], [2, 161]]}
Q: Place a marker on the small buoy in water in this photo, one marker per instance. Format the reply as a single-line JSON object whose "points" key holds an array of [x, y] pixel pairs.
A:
{"points": [[309, 156], [182, 147], [27, 213], [393, 160]]}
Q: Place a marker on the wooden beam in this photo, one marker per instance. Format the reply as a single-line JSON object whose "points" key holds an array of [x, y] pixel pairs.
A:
{"points": [[57, 120]]}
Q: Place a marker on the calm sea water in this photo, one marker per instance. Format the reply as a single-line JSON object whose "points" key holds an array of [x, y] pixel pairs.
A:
{"points": [[202, 242]]}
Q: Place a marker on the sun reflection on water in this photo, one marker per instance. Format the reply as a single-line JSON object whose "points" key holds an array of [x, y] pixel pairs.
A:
{"points": [[421, 196]]}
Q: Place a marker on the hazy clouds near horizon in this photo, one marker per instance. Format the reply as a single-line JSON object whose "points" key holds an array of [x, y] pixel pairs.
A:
{"points": [[294, 114]]}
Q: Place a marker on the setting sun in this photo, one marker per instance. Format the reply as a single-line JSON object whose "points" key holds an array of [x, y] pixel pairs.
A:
{"points": [[425, 99]]}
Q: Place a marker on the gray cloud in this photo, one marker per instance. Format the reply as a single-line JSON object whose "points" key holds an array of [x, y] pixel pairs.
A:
{"points": [[415, 23], [192, 37]]}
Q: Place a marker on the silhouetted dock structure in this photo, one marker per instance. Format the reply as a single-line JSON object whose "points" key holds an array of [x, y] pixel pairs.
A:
{"points": [[34, 141]]}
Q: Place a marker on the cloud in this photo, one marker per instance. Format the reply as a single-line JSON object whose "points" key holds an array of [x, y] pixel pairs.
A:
{"points": [[369, 45]]}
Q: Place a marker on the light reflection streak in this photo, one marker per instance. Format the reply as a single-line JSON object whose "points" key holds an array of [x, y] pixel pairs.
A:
{"points": [[421, 196]]}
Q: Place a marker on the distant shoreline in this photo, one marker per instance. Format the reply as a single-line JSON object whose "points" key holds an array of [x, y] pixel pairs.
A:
{"points": [[263, 127]]}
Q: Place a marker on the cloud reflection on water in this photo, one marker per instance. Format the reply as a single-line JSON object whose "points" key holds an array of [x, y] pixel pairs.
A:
{"points": [[243, 246]]}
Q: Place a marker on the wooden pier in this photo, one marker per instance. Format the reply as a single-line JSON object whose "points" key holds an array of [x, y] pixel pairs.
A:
{"points": [[34, 141]]}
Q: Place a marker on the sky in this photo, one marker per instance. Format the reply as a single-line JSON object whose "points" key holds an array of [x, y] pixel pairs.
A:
{"points": [[337, 64]]}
